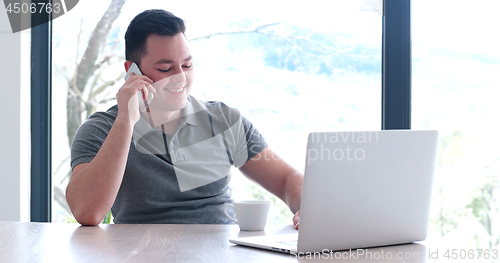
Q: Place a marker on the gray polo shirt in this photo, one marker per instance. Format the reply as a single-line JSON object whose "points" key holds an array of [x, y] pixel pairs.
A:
{"points": [[179, 179]]}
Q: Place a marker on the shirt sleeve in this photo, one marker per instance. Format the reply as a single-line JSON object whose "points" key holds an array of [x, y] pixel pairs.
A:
{"points": [[243, 140], [88, 140], [254, 140]]}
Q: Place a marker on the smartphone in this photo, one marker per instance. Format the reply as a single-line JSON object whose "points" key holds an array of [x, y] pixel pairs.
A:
{"points": [[144, 100], [133, 68]]}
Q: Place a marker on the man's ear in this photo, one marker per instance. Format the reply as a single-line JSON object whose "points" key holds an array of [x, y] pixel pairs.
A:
{"points": [[127, 64]]}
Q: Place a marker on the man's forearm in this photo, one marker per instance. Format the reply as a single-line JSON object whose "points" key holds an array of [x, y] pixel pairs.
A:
{"points": [[92, 190], [293, 193], [276, 176]]}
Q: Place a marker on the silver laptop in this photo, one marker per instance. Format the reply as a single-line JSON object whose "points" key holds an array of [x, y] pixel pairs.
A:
{"points": [[361, 189]]}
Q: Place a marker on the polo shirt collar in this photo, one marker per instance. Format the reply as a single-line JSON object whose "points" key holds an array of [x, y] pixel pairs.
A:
{"points": [[142, 128], [188, 114]]}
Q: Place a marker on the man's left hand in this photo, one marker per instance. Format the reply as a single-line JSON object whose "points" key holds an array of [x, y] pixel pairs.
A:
{"points": [[296, 219]]}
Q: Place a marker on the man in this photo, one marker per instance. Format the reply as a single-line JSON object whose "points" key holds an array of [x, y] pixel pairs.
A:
{"points": [[170, 162]]}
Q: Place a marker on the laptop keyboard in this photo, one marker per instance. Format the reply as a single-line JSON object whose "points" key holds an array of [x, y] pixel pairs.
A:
{"points": [[288, 242]]}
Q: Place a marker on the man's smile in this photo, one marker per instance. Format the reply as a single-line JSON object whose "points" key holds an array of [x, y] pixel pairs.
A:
{"points": [[176, 90]]}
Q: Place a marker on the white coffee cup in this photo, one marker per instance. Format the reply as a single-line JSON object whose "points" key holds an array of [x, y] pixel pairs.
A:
{"points": [[250, 215]]}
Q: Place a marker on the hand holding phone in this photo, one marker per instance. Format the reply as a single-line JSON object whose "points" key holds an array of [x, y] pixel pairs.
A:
{"points": [[146, 98]]}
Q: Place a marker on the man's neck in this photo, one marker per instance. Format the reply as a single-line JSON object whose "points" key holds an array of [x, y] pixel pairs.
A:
{"points": [[168, 121]]}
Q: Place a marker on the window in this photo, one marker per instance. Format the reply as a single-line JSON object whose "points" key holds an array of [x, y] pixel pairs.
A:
{"points": [[456, 69], [292, 71]]}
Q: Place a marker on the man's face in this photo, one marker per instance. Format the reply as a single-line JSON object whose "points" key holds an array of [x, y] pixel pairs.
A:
{"points": [[169, 64]]}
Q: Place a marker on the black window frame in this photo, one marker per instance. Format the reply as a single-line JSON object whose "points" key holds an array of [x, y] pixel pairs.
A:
{"points": [[396, 65], [396, 94], [41, 89]]}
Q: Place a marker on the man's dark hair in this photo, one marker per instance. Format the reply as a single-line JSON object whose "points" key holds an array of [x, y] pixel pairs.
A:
{"points": [[155, 21]]}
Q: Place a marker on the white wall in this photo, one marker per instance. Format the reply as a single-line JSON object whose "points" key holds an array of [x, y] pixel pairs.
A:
{"points": [[14, 122]]}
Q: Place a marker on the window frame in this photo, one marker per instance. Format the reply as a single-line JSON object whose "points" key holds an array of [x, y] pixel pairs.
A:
{"points": [[41, 125], [396, 65]]}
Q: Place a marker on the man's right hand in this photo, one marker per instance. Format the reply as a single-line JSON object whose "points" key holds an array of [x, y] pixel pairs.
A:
{"points": [[128, 103], [93, 186]]}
